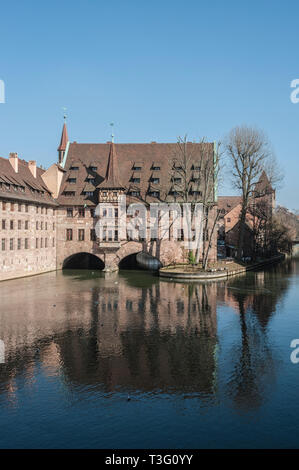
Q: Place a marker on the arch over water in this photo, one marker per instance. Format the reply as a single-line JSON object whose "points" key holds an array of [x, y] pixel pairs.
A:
{"points": [[140, 260], [83, 260]]}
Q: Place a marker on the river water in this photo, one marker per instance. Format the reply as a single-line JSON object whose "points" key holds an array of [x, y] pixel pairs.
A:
{"points": [[131, 361]]}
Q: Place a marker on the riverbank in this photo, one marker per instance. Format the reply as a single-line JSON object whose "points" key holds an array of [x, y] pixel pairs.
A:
{"points": [[219, 270]]}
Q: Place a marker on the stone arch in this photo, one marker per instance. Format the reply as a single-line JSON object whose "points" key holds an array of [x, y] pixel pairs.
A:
{"points": [[83, 260], [138, 256]]}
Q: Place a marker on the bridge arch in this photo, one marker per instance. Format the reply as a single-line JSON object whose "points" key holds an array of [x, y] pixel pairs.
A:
{"points": [[83, 260]]}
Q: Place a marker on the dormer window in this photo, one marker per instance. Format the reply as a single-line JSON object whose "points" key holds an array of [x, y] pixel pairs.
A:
{"points": [[93, 168], [72, 180], [74, 168], [156, 168], [155, 180], [135, 180], [154, 193], [177, 180]]}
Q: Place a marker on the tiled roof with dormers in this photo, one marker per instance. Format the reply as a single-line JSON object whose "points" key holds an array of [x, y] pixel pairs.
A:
{"points": [[23, 186], [128, 158]]}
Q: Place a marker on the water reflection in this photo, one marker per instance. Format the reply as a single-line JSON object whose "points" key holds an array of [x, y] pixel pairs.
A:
{"points": [[135, 333]]}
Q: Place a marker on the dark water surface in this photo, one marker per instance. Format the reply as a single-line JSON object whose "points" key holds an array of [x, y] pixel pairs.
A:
{"points": [[203, 365]]}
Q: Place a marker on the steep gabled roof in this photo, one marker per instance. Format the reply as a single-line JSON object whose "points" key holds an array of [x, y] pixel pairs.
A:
{"points": [[263, 186], [112, 180], [64, 138]]}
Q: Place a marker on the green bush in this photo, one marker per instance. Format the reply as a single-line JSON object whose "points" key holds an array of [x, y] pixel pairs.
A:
{"points": [[191, 258]]}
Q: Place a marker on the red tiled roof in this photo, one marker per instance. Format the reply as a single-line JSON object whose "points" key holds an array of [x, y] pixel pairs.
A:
{"points": [[23, 185], [227, 203], [122, 158]]}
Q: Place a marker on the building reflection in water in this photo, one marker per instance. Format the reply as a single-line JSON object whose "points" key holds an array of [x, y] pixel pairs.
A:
{"points": [[255, 298], [112, 334], [135, 334]]}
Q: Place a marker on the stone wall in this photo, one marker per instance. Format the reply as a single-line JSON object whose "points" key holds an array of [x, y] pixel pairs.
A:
{"points": [[19, 255]]}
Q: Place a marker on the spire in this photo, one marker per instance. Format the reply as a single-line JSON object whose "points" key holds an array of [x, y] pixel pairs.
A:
{"points": [[64, 138], [63, 143], [112, 175]]}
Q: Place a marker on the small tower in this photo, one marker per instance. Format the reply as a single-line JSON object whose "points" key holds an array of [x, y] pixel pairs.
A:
{"points": [[63, 143]]}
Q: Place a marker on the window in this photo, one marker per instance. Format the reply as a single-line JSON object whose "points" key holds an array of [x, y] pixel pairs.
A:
{"points": [[12, 206], [154, 193], [72, 180], [135, 180], [81, 212], [53, 242], [196, 167], [136, 168], [46, 243], [11, 225], [93, 168], [26, 243], [3, 244], [36, 225], [155, 180], [228, 219], [69, 193], [81, 234], [20, 207], [177, 180], [92, 212], [74, 168], [69, 234], [134, 193], [36, 243], [4, 206], [11, 244], [19, 243], [155, 168], [41, 243], [116, 213], [88, 193], [69, 212], [26, 208], [93, 235], [3, 224], [180, 234]]}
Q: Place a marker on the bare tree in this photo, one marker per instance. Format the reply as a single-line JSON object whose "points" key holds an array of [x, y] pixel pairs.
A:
{"points": [[194, 180], [249, 154]]}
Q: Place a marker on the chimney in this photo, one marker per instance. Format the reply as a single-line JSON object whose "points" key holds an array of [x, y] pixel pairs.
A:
{"points": [[32, 167], [14, 161]]}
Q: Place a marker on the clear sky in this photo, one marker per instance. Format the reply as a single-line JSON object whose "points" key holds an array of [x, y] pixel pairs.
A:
{"points": [[157, 69]]}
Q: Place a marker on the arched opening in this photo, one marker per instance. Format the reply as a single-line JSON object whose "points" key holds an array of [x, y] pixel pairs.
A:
{"points": [[140, 260], [83, 261]]}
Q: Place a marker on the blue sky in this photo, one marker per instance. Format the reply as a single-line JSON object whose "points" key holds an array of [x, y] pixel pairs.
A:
{"points": [[157, 69]]}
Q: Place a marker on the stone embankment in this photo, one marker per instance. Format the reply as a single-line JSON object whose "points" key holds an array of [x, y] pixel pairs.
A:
{"points": [[221, 270]]}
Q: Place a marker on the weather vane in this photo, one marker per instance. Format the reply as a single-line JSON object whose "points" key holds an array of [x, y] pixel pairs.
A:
{"points": [[64, 113], [112, 135]]}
